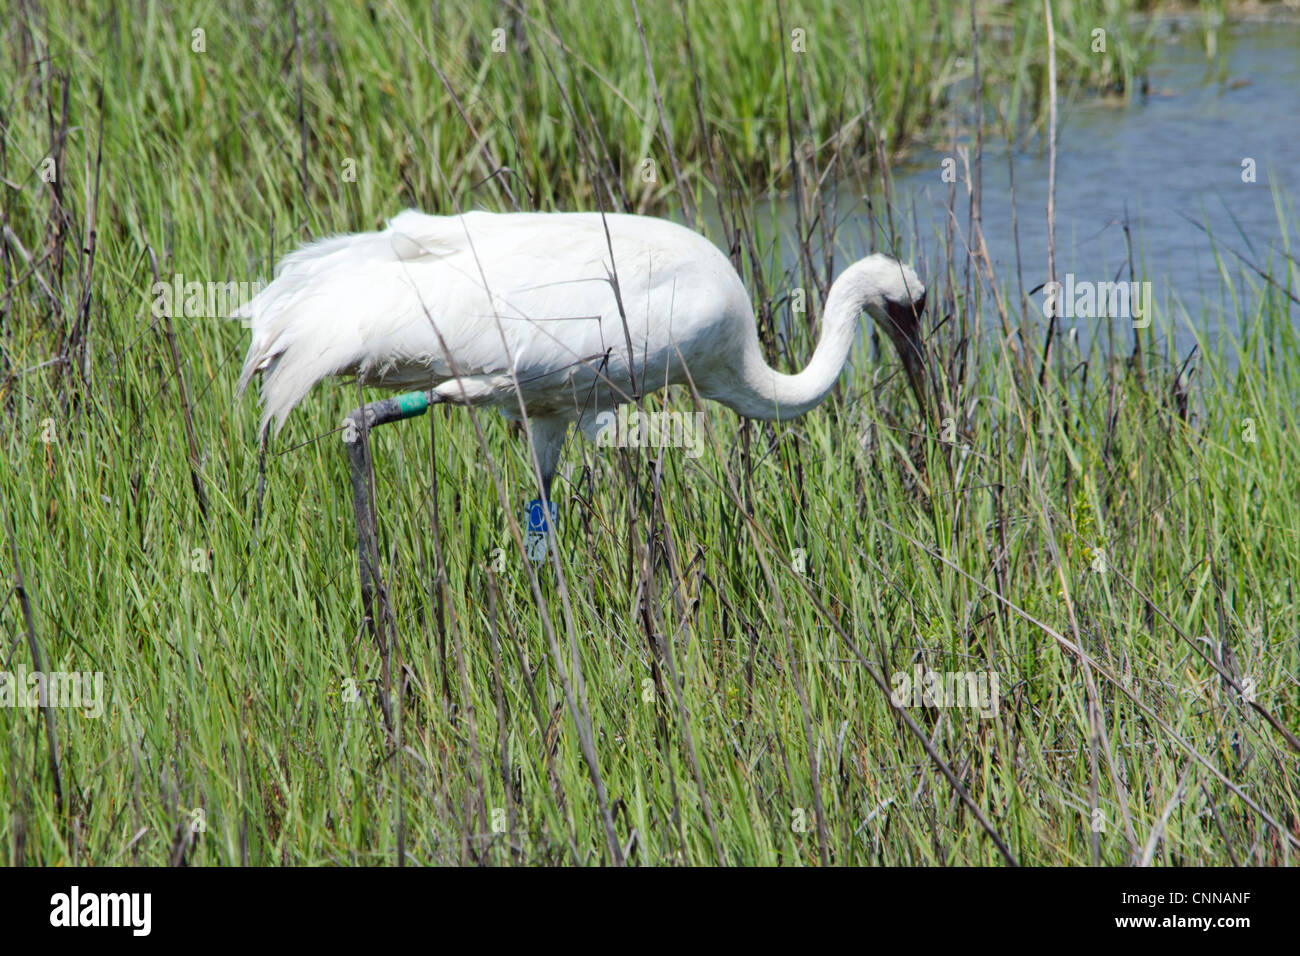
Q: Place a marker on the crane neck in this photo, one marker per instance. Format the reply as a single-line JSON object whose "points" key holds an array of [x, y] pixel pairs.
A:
{"points": [[768, 394]]}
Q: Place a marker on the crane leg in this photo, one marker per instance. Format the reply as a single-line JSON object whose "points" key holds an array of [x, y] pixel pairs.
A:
{"points": [[546, 439], [356, 435]]}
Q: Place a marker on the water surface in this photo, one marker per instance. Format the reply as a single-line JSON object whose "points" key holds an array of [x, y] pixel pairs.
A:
{"points": [[1175, 150]]}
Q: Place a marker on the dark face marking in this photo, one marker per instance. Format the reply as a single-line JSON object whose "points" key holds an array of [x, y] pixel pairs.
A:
{"points": [[906, 316], [904, 328]]}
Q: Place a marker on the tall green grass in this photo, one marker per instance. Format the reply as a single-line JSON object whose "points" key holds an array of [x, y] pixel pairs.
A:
{"points": [[413, 103], [1121, 547]]}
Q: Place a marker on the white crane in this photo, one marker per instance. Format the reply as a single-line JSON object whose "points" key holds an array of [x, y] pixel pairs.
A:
{"points": [[552, 318]]}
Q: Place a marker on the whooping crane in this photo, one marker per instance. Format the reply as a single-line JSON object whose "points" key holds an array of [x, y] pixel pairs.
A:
{"points": [[552, 318]]}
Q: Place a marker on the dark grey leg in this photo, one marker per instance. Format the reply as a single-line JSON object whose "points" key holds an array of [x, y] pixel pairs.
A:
{"points": [[356, 437]]}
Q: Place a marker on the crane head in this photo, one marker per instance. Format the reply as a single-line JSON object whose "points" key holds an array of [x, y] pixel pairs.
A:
{"points": [[896, 307]]}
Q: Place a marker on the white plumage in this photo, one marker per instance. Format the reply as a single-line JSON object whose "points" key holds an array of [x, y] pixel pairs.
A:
{"points": [[500, 309]]}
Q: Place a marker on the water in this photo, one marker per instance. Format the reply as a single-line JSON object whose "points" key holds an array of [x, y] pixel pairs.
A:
{"points": [[1176, 150]]}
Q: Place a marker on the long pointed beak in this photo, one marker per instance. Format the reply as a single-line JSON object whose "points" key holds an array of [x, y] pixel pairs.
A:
{"points": [[916, 366], [906, 333]]}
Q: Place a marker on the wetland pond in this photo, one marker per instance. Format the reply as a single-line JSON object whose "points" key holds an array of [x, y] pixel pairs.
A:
{"points": [[1182, 149]]}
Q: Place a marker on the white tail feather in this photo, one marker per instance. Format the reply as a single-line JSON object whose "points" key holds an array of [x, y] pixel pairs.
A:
{"points": [[310, 323]]}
